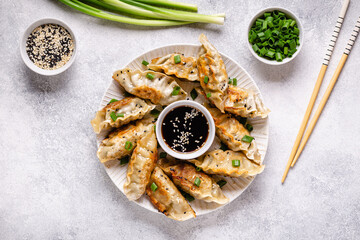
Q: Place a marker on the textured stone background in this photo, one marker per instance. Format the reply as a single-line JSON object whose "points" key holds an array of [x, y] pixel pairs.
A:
{"points": [[53, 187]]}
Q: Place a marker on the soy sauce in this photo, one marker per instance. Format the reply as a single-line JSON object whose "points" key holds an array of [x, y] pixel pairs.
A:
{"points": [[185, 129]]}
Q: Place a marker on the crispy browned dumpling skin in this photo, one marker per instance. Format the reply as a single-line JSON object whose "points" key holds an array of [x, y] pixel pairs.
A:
{"points": [[167, 198], [244, 103], [186, 69], [113, 147], [220, 162], [210, 64], [158, 90], [184, 174], [231, 132], [133, 108], [141, 165]]}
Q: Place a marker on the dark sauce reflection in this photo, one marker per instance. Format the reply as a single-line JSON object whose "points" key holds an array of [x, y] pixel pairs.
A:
{"points": [[185, 129]]}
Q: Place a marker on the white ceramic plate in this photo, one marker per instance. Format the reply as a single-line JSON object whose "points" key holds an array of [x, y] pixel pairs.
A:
{"points": [[234, 186]]}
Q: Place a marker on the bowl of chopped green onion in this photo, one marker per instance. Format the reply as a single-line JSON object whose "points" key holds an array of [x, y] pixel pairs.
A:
{"points": [[275, 36]]}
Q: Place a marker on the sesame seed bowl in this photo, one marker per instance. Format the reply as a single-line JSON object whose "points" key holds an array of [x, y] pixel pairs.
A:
{"points": [[48, 46]]}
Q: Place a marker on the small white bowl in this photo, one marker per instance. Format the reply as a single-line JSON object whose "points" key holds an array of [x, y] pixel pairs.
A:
{"points": [[185, 155], [25, 56], [289, 14]]}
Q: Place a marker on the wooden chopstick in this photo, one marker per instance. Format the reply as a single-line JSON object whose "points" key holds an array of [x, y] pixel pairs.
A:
{"points": [[327, 93], [328, 54]]}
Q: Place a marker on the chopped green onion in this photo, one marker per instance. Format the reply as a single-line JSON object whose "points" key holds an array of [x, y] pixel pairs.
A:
{"points": [[293, 22], [292, 44], [221, 183], [154, 128], [198, 169], [275, 33], [115, 116], [270, 54], [208, 95], [176, 91], [223, 147], [124, 160], [128, 145], [206, 79], [150, 76], [230, 81], [247, 139], [249, 127], [236, 163], [197, 182], [155, 112], [278, 57], [296, 31], [163, 155], [261, 35], [267, 14], [286, 50], [264, 26], [193, 94], [285, 26], [263, 51], [145, 63], [113, 100], [177, 59], [268, 34], [154, 187], [234, 81], [256, 49]]}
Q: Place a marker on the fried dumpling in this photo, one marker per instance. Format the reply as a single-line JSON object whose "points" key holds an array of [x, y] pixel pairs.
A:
{"points": [[157, 87], [220, 162], [234, 134], [140, 166], [167, 198], [185, 69], [245, 103], [123, 111], [115, 146], [184, 175], [212, 73]]}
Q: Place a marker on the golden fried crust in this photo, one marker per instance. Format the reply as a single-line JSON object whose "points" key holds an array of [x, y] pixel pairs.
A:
{"points": [[245, 103], [184, 175], [161, 207], [119, 103], [220, 162], [186, 69], [148, 93], [167, 198], [131, 108], [210, 64], [140, 166]]}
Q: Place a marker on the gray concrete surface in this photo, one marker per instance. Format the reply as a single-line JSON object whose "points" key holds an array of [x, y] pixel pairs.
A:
{"points": [[53, 187]]}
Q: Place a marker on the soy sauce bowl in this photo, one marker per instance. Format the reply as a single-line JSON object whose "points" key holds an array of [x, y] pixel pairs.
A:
{"points": [[162, 129]]}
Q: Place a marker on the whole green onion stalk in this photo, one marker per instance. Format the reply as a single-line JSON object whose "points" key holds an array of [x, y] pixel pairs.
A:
{"points": [[144, 12]]}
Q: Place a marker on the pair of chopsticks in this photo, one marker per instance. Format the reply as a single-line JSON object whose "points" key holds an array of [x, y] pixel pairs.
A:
{"points": [[296, 150]]}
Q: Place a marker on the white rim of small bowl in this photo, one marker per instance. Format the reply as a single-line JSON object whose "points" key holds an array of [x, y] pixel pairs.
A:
{"points": [[26, 58], [301, 36], [208, 142]]}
